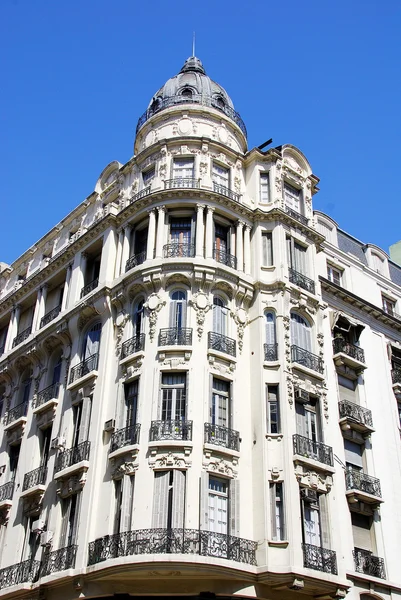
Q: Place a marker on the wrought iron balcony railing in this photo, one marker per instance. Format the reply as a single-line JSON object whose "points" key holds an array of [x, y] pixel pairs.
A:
{"points": [[224, 258], [271, 352], [89, 287], [225, 191], [85, 367], [181, 182], [170, 430], [163, 103], [35, 477], [72, 456], [341, 345], [16, 413], [7, 491], [219, 435], [135, 260], [21, 337], [50, 316], [296, 215], [179, 250], [396, 375], [125, 437], [175, 336], [19, 573], [58, 560], [368, 564], [357, 480], [49, 393], [222, 343], [301, 280], [355, 412], [140, 194], [307, 359], [306, 447], [320, 559], [134, 344], [172, 541]]}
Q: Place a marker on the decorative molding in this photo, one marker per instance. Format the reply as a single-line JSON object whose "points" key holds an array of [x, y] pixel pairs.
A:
{"points": [[200, 303], [164, 459], [241, 320], [223, 466], [154, 306], [313, 480]]}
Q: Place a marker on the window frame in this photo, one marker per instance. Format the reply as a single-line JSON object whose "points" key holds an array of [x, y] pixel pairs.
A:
{"points": [[277, 521], [164, 399], [273, 409], [300, 206], [333, 270], [217, 175], [264, 182], [267, 249]]}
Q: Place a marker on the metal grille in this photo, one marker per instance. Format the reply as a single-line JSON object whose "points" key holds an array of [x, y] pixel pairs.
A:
{"points": [[89, 287], [304, 446], [175, 336], [270, 352], [35, 477], [179, 250], [307, 359], [135, 261], [225, 191], [368, 564], [181, 182], [19, 573], [301, 280], [83, 368], [224, 258], [219, 342], [16, 413], [7, 491], [22, 336], [58, 560], [355, 412], [139, 195], [170, 430], [72, 456], [125, 437], [47, 394], [357, 480], [134, 344], [341, 345], [222, 436], [296, 215], [50, 316], [320, 559]]}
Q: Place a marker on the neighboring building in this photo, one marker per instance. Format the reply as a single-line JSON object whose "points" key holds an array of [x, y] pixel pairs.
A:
{"points": [[395, 252], [200, 380]]}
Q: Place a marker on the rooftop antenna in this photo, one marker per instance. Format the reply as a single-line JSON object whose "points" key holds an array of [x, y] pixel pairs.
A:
{"points": [[193, 44]]}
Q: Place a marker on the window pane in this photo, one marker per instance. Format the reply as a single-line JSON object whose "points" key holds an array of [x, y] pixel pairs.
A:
{"points": [[267, 249], [264, 188]]}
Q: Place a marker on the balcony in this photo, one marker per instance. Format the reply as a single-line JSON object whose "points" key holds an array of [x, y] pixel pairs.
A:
{"points": [[270, 352], [307, 448], [6, 495], [178, 251], [134, 344], [221, 343], [355, 417], [27, 571], [218, 435], [139, 195], [72, 456], [58, 560], [320, 559], [296, 215], [16, 416], [307, 359], [172, 541], [368, 564], [47, 395], [362, 487], [84, 368], [225, 191], [89, 287], [35, 478], [175, 336], [349, 355], [21, 337], [181, 183], [221, 256], [170, 430], [135, 260], [129, 436], [301, 280], [50, 316]]}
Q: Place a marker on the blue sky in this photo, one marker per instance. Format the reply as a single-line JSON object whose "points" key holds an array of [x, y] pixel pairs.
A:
{"points": [[77, 74]]}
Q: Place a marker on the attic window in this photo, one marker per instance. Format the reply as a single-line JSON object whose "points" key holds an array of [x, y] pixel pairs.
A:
{"points": [[220, 102], [187, 93]]}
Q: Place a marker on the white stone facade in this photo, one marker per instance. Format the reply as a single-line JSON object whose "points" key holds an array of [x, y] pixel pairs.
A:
{"points": [[199, 379]]}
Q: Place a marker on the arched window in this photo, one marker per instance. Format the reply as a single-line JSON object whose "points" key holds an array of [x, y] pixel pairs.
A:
{"points": [[300, 332], [220, 313], [25, 386], [137, 318], [54, 372], [178, 309], [91, 341], [187, 93], [270, 336]]}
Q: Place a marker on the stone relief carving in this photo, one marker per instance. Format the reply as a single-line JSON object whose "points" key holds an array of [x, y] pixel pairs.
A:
{"points": [[290, 390], [123, 466], [72, 485], [287, 339], [313, 480], [241, 320], [179, 459], [201, 305], [217, 464], [154, 306], [203, 168], [120, 323]]}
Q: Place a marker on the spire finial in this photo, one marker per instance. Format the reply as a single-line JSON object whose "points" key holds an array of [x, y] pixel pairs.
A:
{"points": [[193, 44]]}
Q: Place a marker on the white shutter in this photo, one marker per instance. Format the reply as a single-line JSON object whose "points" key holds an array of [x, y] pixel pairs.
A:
{"points": [[295, 341], [178, 515], [204, 502], [173, 312], [300, 258], [353, 453], [234, 508], [77, 514], [126, 505], [300, 419], [184, 312], [85, 419], [324, 521], [65, 512], [160, 499], [267, 248]]}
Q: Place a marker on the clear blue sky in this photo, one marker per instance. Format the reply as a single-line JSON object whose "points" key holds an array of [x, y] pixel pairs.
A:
{"points": [[77, 74]]}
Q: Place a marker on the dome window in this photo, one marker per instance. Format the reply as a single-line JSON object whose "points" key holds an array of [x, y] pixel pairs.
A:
{"points": [[187, 93], [220, 102], [156, 105]]}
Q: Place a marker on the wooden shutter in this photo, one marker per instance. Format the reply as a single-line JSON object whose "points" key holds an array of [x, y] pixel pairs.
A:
{"points": [[234, 508], [173, 312], [126, 505], [85, 419], [177, 518], [361, 526], [353, 453], [273, 521], [300, 258], [300, 419], [324, 521], [160, 499], [267, 249], [65, 517], [184, 311], [204, 501], [347, 390]]}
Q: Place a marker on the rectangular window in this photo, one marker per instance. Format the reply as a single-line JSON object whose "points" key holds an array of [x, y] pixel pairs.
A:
{"points": [[173, 396], [361, 531], [169, 499], [277, 510], [131, 402], [221, 175], [13, 454], [388, 305], [348, 389], [353, 454], [123, 502], [183, 168], [333, 274], [147, 176], [273, 415], [218, 505], [267, 249], [296, 256], [69, 523], [26, 388], [220, 406], [264, 188], [292, 197], [31, 541], [308, 421], [140, 240], [180, 230]]}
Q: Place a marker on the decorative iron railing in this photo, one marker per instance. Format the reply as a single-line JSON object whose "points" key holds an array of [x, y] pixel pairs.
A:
{"points": [[16, 413], [222, 343], [357, 413], [19, 573], [72, 456], [125, 437], [140, 194], [357, 480], [225, 191], [301, 280], [296, 215], [178, 251], [134, 344], [271, 352], [218, 435], [320, 559], [21, 337], [84, 367], [181, 182], [224, 258], [341, 345], [135, 260], [175, 336], [368, 564], [396, 375], [45, 395], [50, 316], [170, 430], [308, 448], [162, 103], [58, 560], [172, 541], [307, 359], [35, 477], [7, 491], [89, 287]]}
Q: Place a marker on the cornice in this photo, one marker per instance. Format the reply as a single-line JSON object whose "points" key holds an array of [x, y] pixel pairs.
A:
{"points": [[278, 214]]}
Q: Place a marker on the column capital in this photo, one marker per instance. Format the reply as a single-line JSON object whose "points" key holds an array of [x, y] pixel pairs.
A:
{"points": [[200, 207], [247, 227], [44, 286], [240, 223], [151, 211], [17, 307], [210, 209], [128, 227], [161, 209], [84, 255]]}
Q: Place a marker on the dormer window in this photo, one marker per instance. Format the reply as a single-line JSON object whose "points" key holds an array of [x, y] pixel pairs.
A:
{"points": [[292, 197], [187, 93], [388, 305], [220, 102]]}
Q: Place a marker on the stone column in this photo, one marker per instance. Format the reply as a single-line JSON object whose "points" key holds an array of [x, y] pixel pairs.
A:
{"points": [[200, 230], [240, 246], [126, 247], [17, 314], [117, 268], [160, 231], [108, 257], [10, 332], [42, 306], [36, 312], [66, 287], [82, 268], [151, 234], [247, 249], [209, 232]]}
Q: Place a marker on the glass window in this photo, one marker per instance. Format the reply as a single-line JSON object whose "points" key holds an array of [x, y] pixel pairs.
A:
{"points": [[183, 168], [218, 505], [180, 230], [267, 249], [292, 197], [388, 305], [178, 309], [137, 318], [220, 314], [220, 406], [333, 274], [173, 396], [277, 510], [264, 188], [148, 175], [92, 341], [131, 402], [296, 256], [300, 332], [221, 175], [273, 415]]}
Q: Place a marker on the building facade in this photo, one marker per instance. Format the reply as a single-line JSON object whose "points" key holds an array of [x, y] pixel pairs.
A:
{"points": [[200, 380]]}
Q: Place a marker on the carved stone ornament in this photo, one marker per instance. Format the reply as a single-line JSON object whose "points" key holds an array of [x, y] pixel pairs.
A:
{"points": [[163, 170], [313, 480], [154, 306], [287, 339], [124, 465], [201, 305], [33, 504], [5, 514], [180, 459], [241, 320], [237, 184], [71, 485], [203, 168], [217, 464], [290, 390], [121, 320]]}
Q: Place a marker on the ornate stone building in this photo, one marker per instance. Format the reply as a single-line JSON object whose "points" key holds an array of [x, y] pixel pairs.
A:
{"points": [[199, 380]]}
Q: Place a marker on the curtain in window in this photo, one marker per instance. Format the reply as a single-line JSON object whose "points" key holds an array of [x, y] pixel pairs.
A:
{"points": [[178, 309], [267, 249], [311, 525], [138, 318], [220, 175], [220, 312], [270, 328], [183, 167], [92, 341], [300, 332], [292, 197], [173, 396]]}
